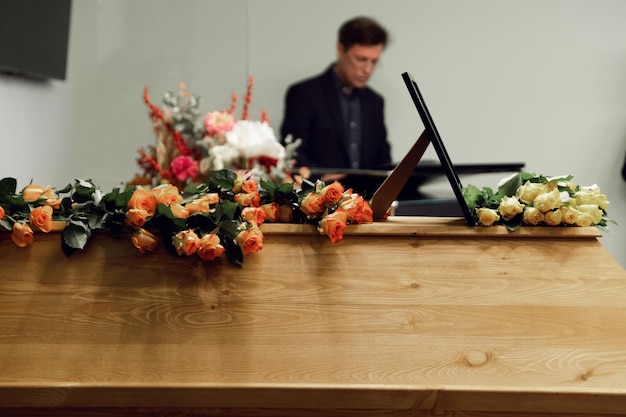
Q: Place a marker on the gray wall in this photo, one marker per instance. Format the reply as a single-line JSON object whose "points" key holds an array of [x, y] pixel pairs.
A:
{"points": [[537, 81]]}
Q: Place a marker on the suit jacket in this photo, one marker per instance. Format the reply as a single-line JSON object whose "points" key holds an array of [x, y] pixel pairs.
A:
{"points": [[313, 114]]}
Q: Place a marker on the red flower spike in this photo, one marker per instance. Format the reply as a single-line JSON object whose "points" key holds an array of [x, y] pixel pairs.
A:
{"points": [[155, 111], [248, 99], [233, 103], [264, 117]]}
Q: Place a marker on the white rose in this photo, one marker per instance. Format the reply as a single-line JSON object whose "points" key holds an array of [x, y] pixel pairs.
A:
{"points": [[510, 207], [553, 218], [532, 216], [592, 210], [255, 138], [487, 216], [530, 190], [548, 201]]}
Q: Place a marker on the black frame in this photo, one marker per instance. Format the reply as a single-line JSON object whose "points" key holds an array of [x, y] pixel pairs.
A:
{"points": [[435, 139]]}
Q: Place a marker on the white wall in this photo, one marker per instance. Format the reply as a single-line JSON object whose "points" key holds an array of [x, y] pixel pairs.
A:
{"points": [[533, 81]]}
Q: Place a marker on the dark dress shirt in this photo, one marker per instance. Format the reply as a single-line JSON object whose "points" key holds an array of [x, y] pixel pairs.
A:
{"points": [[313, 113]]}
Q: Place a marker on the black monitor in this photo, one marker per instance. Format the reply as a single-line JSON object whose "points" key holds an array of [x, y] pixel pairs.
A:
{"points": [[435, 139], [34, 37]]}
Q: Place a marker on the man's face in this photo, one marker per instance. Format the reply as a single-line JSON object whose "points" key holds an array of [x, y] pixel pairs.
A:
{"points": [[356, 64]]}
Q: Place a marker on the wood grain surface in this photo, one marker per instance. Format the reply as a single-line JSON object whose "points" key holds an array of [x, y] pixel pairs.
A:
{"points": [[404, 317]]}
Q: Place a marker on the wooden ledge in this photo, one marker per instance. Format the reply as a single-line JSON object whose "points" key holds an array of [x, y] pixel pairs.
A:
{"points": [[438, 226]]}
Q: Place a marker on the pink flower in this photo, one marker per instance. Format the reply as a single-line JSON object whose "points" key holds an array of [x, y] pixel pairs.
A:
{"points": [[184, 167], [218, 122]]}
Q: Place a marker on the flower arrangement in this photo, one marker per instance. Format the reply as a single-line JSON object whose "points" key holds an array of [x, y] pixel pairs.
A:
{"points": [[220, 217], [206, 187], [191, 144], [530, 199]]}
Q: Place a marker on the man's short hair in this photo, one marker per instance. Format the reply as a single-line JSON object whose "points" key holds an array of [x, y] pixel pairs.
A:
{"points": [[362, 30]]}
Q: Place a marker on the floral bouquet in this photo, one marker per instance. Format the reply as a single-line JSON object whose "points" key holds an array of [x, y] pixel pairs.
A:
{"points": [[191, 144], [220, 217], [530, 199]]}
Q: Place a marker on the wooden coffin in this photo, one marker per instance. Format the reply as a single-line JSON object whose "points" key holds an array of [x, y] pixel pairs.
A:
{"points": [[406, 317]]}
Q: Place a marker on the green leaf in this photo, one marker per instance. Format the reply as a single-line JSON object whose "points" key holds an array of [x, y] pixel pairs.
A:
{"points": [[226, 210], [76, 234], [8, 186], [473, 196], [224, 178]]}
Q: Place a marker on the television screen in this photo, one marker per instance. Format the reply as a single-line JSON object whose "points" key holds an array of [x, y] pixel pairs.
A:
{"points": [[34, 37]]}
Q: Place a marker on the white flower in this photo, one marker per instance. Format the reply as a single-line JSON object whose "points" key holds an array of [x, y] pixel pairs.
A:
{"points": [[254, 139], [224, 156]]}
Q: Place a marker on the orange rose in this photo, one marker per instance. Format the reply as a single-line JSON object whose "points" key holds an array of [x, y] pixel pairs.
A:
{"points": [[198, 206], [252, 199], [32, 192], [41, 218], [211, 198], [254, 215], [249, 186], [45, 195], [144, 240], [333, 225], [332, 193], [250, 240], [353, 205], [272, 212], [186, 242], [143, 200], [136, 218], [22, 234], [367, 215], [179, 211], [285, 213], [167, 195], [210, 247], [313, 204], [2, 213]]}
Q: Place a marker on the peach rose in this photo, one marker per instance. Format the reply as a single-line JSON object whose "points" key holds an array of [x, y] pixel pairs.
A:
{"points": [[250, 240], [144, 240], [254, 215], [136, 218], [22, 234], [41, 218], [487, 216], [353, 204], [272, 212], [167, 195], [211, 198], [252, 199], [333, 225], [198, 205], [45, 195], [179, 211], [2, 213], [210, 247], [332, 193], [249, 186], [313, 204], [143, 200], [186, 242], [367, 214]]}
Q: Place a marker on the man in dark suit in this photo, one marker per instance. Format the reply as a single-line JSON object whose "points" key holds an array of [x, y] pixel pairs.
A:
{"points": [[338, 118]]}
